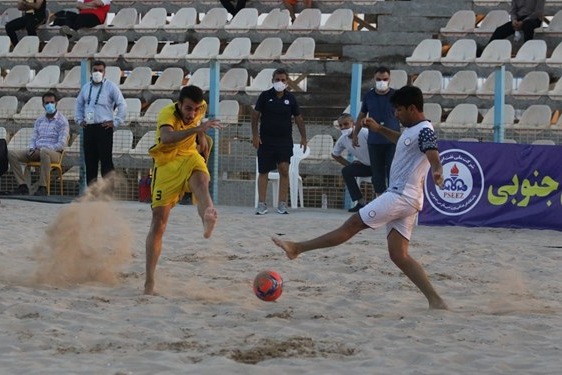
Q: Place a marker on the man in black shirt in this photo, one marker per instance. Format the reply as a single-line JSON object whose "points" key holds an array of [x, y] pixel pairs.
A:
{"points": [[34, 14]]}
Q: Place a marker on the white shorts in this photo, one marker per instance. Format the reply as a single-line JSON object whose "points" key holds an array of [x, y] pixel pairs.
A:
{"points": [[393, 210]]}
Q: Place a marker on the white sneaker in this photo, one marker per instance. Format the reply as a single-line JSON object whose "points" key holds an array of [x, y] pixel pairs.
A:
{"points": [[282, 208], [262, 208]]}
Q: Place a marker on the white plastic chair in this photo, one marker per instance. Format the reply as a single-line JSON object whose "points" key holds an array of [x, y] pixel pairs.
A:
{"points": [[169, 81], [244, 21], [555, 59], [339, 21], [4, 45], [461, 85], [461, 23], [275, 21], [299, 51], [307, 21], [496, 53], [488, 88], [8, 107], [556, 92], [185, 19], [74, 148], [134, 106], [491, 21], [213, 21], [543, 142], [151, 113], [172, 52], [461, 53], [206, 49], [26, 49], [20, 140], [122, 142], [427, 52], [8, 15], [433, 113], [84, 48], [535, 117], [141, 148], [67, 106], [139, 79], [56, 47], [17, 78], [398, 78], [45, 79], [228, 111], [533, 85], [115, 47], [555, 26], [487, 123], [261, 82], [321, 146], [113, 74], [269, 50], [29, 112], [531, 53], [201, 78], [124, 20], [462, 118], [153, 20], [234, 80], [236, 50], [144, 49], [429, 82]]}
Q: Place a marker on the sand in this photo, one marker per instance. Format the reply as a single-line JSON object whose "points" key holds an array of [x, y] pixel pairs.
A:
{"points": [[71, 282]]}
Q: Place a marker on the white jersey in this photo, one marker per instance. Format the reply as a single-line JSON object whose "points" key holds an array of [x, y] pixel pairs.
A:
{"points": [[410, 165], [360, 153]]}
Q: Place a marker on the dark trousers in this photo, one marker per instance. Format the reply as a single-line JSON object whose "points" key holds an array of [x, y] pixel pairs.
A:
{"points": [[349, 173], [381, 156], [98, 148], [77, 21], [506, 30], [29, 22], [231, 8]]}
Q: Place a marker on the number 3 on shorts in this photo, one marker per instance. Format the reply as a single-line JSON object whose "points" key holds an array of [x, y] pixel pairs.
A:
{"points": [[158, 195]]}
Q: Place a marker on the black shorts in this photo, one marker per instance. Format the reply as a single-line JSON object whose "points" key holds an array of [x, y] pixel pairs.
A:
{"points": [[269, 156]]}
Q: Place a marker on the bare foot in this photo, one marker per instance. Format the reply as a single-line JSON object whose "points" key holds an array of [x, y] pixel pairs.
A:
{"points": [[438, 305], [149, 288], [209, 221], [287, 246]]}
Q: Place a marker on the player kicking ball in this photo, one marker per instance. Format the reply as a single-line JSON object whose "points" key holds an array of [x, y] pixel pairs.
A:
{"points": [[397, 207]]}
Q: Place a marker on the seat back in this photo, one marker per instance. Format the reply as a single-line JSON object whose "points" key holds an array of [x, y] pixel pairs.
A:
{"points": [[26, 48], [169, 80], [464, 115], [20, 140], [301, 49], [533, 83], [236, 50], [491, 21], [228, 111], [398, 78], [45, 79], [462, 52], [536, 116], [17, 77], [122, 141], [268, 50], [55, 47], [339, 21], [144, 144], [429, 82], [201, 78], [154, 19], [275, 21], [143, 49], [234, 80], [426, 53], [67, 106], [214, 20], [184, 19], [433, 112], [460, 23], [8, 106], [509, 116], [489, 86], [531, 53], [84, 48], [462, 84], [307, 20], [134, 106], [207, 48], [245, 20], [115, 47], [172, 52], [496, 53], [321, 146], [261, 82]]}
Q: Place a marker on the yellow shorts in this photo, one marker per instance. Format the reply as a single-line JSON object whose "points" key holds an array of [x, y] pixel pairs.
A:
{"points": [[170, 181]]}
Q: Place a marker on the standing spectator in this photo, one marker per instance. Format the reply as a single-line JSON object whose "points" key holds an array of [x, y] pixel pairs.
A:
{"points": [[179, 168], [231, 7], [34, 14], [376, 104], [90, 13], [291, 6], [360, 167], [94, 112], [50, 136], [526, 16], [274, 109]]}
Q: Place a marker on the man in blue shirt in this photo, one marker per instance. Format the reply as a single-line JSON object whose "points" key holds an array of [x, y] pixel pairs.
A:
{"points": [[376, 104], [94, 112], [50, 136], [274, 110]]}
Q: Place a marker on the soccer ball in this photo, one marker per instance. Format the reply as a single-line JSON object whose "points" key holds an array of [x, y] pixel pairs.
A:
{"points": [[268, 285]]}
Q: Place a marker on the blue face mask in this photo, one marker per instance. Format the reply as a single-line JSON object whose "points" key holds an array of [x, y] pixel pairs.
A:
{"points": [[50, 108]]}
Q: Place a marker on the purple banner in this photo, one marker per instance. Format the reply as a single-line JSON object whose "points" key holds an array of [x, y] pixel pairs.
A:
{"points": [[496, 185]]}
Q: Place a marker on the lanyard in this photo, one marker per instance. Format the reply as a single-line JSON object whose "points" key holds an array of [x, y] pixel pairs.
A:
{"points": [[97, 96]]}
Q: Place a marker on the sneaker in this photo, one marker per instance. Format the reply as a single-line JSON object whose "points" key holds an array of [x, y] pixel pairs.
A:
{"points": [[356, 208], [41, 191], [68, 31], [21, 190], [282, 208], [262, 208]]}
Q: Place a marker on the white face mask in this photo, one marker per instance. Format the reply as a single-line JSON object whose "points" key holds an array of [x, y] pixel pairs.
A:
{"points": [[97, 77], [346, 131], [279, 86], [381, 85]]}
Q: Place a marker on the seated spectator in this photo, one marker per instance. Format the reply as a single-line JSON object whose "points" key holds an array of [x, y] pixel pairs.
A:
{"points": [[360, 167], [290, 5], [91, 13], [34, 14], [50, 136], [526, 16], [233, 6]]}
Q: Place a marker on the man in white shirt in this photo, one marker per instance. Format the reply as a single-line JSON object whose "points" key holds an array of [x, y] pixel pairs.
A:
{"points": [[360, 166]]}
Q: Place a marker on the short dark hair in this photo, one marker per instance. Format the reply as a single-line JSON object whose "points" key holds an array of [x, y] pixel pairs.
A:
{"points": [[49, 94], [98, 62], [343, 116], [280, 71], [191, 92], [382, 69], [407, 96]]}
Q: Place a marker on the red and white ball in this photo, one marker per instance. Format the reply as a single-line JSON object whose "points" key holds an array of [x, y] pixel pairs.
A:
{"points": [[268, 285]]}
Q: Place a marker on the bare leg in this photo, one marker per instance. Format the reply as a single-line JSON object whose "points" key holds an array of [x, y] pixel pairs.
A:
{"points": [[350, 228], [154, 244], [199, 185], [263, 179], [283, 169], [398, 250]]}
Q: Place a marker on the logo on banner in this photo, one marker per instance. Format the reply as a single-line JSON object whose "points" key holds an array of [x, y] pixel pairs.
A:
{"points": [[463, 184]]}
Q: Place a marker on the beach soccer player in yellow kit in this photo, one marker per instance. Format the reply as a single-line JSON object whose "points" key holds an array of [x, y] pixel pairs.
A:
{"points": [[178, 169]]}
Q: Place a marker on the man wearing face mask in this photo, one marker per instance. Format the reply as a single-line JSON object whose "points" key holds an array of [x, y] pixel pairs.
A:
{"points": [[273, 139], [50, 136], [360, 166], [95, 113], [376, 104]]}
